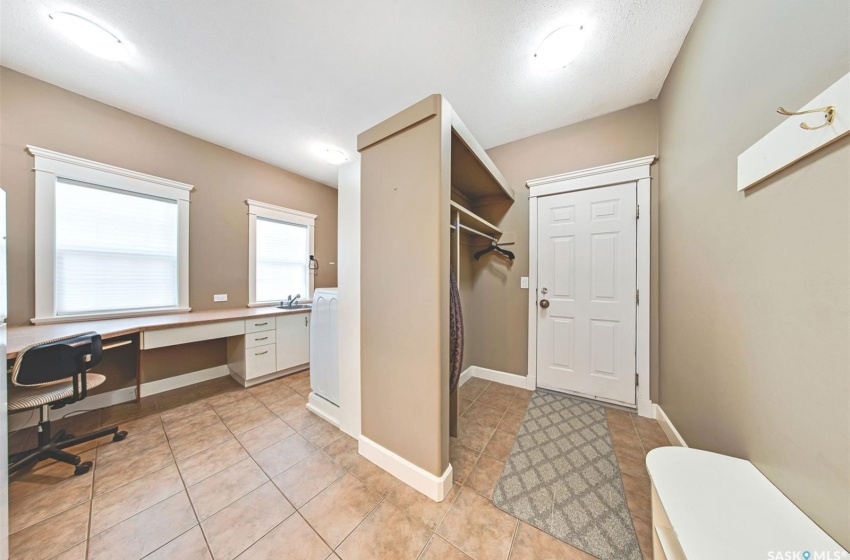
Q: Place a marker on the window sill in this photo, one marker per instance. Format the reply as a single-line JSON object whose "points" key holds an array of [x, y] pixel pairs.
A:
{"points": [[105, 316]]}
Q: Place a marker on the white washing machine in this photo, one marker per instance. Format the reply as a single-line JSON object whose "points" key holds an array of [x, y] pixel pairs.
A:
{"points": [[324, 355]]}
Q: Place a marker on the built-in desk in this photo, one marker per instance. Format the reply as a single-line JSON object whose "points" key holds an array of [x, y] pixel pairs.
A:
{"points": [[253, 334]]}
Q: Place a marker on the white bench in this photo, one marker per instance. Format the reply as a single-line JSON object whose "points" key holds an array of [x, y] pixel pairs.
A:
{"points": [[713, 507]]}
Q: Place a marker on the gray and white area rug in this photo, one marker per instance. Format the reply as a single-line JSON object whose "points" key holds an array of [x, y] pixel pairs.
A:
{"points": [[562, 477]]}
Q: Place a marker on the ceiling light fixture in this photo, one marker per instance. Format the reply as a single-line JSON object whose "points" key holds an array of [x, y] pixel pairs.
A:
{"points": [[90, 36], [334, 156], [560, 47]]}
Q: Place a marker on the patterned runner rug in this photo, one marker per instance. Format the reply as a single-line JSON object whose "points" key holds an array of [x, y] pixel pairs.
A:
{"points": [[562, 477]]}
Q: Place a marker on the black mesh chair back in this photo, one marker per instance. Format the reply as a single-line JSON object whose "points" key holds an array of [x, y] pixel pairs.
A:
{"points": [[58, 360]]}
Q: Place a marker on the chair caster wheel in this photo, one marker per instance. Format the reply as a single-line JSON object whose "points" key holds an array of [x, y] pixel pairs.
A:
{"points": [[83, 468], [119, 436], [66, 437]]}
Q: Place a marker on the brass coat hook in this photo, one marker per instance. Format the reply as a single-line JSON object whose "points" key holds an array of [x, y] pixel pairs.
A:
{"points": [[829, 115]]}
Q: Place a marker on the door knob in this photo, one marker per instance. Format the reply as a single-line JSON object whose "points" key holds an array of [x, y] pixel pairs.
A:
{"points": [[544, 303]]}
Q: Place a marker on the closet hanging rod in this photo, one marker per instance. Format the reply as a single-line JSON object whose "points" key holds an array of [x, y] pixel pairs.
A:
{"points": [[475, 231]]}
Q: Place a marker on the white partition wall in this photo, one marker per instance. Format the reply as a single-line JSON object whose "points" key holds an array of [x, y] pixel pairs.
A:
{"points": [[349, 297]]}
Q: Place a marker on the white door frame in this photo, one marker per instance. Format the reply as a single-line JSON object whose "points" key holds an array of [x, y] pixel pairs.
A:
{"points": [[632, 171]]}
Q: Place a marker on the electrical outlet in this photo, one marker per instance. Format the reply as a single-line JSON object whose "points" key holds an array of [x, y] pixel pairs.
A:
{"points": [[219, 297], [523, 282]]}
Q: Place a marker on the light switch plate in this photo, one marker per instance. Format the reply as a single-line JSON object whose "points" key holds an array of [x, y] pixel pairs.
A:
{"points": [[220, 297], [523, 282]]}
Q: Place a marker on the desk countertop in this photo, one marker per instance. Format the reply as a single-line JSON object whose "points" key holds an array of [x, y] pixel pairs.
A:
{"points": [[21, 337]]}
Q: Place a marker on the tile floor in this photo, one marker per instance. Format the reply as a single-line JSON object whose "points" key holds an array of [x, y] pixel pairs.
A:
{"points": [[218, 471]]}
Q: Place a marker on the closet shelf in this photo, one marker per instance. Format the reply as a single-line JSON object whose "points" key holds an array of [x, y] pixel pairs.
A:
{"points": [[474, 221], [474, 175]]}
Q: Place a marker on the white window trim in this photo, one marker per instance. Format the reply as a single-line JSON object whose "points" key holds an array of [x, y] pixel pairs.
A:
{"points": [[50, 166], [279, 214]]}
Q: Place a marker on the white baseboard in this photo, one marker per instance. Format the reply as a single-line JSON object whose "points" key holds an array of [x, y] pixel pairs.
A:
{"points": [[171, 383], [118, 396], [493, 375], [323, 408], [669, 429], [645, 408], [435, 487]]}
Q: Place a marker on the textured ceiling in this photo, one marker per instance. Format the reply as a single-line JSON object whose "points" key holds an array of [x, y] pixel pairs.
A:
{"points": [[274, 79]]}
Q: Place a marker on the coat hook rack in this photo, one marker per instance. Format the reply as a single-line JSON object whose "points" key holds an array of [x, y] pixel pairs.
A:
{"points": [[828, 111]]}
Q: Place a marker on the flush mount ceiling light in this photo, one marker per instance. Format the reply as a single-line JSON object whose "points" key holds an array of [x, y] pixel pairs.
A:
{"points": [[334, 156], [90, 36], [560, 47]]}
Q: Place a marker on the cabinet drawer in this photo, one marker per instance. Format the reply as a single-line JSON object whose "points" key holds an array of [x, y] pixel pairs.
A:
{"points": [[261, 338], [260, 324], [194, 333], [259, 361]]}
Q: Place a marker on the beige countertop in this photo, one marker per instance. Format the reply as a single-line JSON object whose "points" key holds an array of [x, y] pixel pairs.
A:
{"points": [[19, 338]]}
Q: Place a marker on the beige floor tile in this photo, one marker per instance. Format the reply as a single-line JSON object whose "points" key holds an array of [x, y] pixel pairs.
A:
{"points": [[274, 394], [439, 549], [223, 401], [321, 433], [299, 418], [113, 474], [500, 445], [59, 497], [76, 552], [470, 393], [632, 460], [213, 494], [291, 540], [144, 532], [304, 480], [386, 534], [123, 412], [42, 475], [464, 405], [643, 531], [191, 545], [484, 414], [186, 409], [281, 407], [278, 457], [495, 398], [619, 417], [511, 422], [420, 507], [253, 418], [135, 444], [197, 442], [238, 526], [268, 386], [473, 435], [265, 435], [191, 424], [52, 535], [343, 451], [624, 434], [338, 509], [373, 476], [533, 544], [208, 462], [113, 507], [651, 434], [637, 494], [140, 425], [302, 387], [236, 407], [477, 527], [462, 460], [522, 398], [485, 476]]}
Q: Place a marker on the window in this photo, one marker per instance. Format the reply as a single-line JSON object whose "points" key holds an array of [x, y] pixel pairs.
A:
{"points": [[280, 245], [109, 242]]}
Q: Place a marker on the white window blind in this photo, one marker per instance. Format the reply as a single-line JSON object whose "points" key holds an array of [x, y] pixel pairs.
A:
{"points": [[115, 250], [282, 260]]}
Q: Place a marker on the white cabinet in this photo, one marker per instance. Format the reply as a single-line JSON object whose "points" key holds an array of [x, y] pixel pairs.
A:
{"points": [[269, 347], [293, 340]]}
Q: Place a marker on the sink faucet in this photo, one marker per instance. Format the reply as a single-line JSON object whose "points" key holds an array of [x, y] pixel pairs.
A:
{"points": [[292, 300]]}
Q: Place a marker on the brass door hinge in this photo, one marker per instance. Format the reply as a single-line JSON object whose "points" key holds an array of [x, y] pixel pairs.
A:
{"points": [[637, 379], [637, 297], [637, 211]]}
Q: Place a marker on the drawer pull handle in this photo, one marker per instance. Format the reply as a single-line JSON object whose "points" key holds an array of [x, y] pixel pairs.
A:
{"points": [[261, 324], [261, 353], [259, 339]]}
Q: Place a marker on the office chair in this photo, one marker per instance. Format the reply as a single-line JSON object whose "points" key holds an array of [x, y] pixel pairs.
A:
{"points": [[50, 375]]}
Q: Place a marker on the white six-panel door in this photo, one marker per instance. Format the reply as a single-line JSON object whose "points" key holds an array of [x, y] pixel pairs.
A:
{"points": [[587, 279]]}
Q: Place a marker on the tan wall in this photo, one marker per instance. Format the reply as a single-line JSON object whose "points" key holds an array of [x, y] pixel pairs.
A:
{"points": [[754, 308], [496, 320], [34, 112]]}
